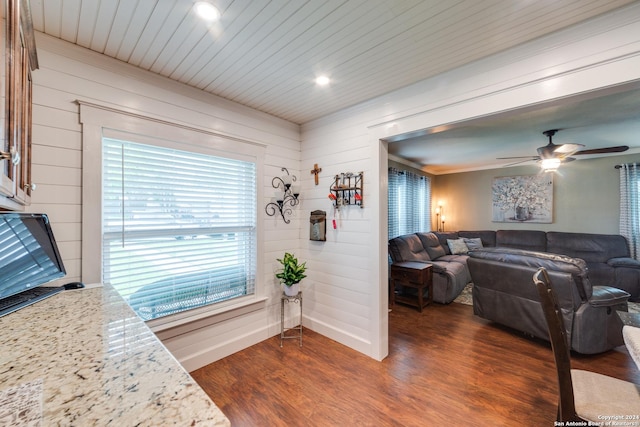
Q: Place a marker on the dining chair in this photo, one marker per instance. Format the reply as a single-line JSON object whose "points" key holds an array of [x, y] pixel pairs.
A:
{"points": [[584, 395]]}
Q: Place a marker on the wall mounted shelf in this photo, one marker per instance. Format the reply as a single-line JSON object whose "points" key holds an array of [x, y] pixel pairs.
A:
{"points": [[347, 189]]}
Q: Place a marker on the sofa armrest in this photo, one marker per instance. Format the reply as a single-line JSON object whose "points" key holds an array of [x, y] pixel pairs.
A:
{"points": [[439, 269], [607, 296], [624, 262]]}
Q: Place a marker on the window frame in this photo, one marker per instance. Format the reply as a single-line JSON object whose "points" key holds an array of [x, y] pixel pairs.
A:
{"points": [[99, 121]]}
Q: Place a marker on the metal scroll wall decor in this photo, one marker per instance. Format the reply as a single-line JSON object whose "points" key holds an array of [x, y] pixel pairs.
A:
{"points": [[286, 197]]}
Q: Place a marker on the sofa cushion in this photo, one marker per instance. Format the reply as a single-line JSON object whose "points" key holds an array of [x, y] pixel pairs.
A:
{"points": [[473, 243], [407, 248], [449, 279], [589, 247], [444, 236], [432, 245], [600, 273], [624, 262], [628, 279], [488, 237], [457, 246], [530, 240], [458, 259]]}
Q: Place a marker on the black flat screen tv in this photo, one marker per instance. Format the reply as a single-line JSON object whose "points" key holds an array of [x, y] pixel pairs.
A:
{"points": [[29, 255]]}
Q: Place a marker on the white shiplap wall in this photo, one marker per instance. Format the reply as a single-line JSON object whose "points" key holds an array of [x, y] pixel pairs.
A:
{"points": [[341, 273], [350, 293], [68, 73]]}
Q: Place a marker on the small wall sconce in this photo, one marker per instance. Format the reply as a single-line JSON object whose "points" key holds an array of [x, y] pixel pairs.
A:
{"points": [[286, 196]]}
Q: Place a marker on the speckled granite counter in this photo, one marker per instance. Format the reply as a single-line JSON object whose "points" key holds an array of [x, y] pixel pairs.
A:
{"points": [[82, 358]]}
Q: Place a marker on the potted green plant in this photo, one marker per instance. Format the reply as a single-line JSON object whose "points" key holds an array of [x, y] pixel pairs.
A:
{"points": [[292, 273]]}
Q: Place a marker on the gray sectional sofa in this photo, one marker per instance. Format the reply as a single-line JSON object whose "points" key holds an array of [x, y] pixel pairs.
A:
{"points": [[606, 256], [593, 274]]}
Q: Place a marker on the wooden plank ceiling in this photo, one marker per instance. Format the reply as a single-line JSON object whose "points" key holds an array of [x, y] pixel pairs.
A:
{"points": [[266, 54]]}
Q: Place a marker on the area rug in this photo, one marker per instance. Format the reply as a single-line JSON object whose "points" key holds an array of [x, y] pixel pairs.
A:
{"points": [[465, 297]]}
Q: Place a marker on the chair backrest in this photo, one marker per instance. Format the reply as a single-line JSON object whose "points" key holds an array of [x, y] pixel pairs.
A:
{"points": [[559, 345]]}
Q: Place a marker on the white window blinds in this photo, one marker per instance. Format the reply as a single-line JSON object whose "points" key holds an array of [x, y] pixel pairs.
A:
{"points": [[409, 203], [179, 227]]}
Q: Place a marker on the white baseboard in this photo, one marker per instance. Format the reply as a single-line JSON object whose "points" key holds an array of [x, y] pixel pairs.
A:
{"points": [[221, 350], [343, 337]]}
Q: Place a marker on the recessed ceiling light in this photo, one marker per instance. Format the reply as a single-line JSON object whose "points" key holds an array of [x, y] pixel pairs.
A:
{"points": [[206, 11], [322, 80]]}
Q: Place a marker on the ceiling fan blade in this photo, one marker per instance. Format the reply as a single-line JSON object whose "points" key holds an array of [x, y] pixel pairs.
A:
{"points": [[618, 149], [567, 149], [521, 161], [519, 157]]}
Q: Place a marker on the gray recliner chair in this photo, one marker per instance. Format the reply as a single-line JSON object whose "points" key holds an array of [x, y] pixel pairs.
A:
{"points": [[503, 293]]}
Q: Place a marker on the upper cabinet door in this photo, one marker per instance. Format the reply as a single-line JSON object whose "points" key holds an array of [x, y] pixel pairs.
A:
{"points": [[8, 154], [19, 58]]}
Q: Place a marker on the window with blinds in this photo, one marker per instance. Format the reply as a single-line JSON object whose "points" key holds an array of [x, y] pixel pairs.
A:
{"points": [[409, 203], [178, 227], [630, 206]]}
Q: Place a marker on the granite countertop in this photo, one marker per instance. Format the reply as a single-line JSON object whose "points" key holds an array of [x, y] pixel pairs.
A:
{"points": [[83, 358], [631, 336]]}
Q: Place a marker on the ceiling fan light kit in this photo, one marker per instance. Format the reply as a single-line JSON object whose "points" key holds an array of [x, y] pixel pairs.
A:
{"points": [[551, 156], [550, 165]]}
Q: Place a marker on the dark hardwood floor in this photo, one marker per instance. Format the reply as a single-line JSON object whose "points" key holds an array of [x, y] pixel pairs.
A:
{"points": [[445, 367]]}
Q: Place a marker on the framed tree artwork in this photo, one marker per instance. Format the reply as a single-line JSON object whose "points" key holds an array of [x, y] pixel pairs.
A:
{"points": [[527, 198]]}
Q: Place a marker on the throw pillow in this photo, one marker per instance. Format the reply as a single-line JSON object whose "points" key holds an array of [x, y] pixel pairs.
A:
{"points": [[457, 246], [473, 244]]}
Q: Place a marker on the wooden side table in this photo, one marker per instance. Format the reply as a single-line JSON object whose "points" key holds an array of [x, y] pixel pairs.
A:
{"points": [[416, 275], [283, 330]]}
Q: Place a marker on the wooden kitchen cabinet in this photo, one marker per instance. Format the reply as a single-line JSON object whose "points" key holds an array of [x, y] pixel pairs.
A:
{"points": [[19, 59]]}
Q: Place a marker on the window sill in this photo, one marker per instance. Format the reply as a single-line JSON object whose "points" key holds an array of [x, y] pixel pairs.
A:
{"points": [[180, 323]]}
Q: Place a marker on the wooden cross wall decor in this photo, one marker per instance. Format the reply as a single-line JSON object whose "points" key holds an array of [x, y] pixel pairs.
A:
{"points": [[316, 170]]}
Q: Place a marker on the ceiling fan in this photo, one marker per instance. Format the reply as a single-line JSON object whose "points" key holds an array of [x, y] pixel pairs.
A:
{"points": [[552, 155]]}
